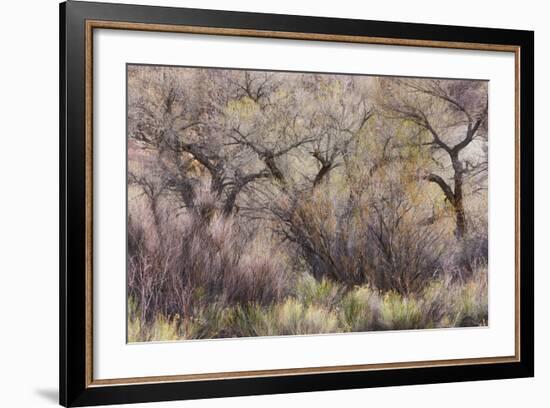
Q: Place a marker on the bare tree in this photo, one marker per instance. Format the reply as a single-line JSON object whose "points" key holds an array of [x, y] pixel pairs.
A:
{"points": [[190, 141], [338, 122], [452, 114]]}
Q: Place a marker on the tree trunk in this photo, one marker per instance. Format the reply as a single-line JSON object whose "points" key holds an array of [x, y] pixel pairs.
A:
{"points": [[460, 230], [321, 174], [458, 202], [229, 203], [456, 196]]}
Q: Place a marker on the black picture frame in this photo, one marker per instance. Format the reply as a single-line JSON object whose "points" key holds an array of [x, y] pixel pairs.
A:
{"points": [[75, 388]]}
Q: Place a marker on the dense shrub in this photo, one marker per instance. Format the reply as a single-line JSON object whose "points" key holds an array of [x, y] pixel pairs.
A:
{"points": [[197, 261], [379, 239]]}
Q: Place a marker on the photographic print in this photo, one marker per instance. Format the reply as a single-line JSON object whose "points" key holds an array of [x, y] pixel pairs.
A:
{"points": [[271, 203]]}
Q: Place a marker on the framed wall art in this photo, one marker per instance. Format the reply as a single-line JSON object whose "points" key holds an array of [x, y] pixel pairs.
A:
{"points": [[256, 204]]}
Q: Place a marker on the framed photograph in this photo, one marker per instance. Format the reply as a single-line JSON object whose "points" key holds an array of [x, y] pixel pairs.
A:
{"points": [[257, 204]]}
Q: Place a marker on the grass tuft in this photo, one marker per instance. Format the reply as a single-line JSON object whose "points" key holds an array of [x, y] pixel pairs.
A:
{"points": [[324, 307]]}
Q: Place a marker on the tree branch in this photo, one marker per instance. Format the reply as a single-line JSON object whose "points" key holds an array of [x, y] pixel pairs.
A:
{"points": [[472, 130], [434, 178]]}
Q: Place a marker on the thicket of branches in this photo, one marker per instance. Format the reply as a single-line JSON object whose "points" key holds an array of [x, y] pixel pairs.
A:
{"points": [[243, 184]]}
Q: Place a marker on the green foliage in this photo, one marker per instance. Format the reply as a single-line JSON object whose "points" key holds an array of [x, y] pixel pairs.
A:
{"points": [[326, 293], [244, 108], [287, 318], [400, 313], [360, 310], [471, 306], [293, 317], [162, 329]]}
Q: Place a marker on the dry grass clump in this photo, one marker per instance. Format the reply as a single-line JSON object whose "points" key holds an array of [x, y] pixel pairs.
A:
{"points": [[327, 307], [360, 310], [289, 317]]}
